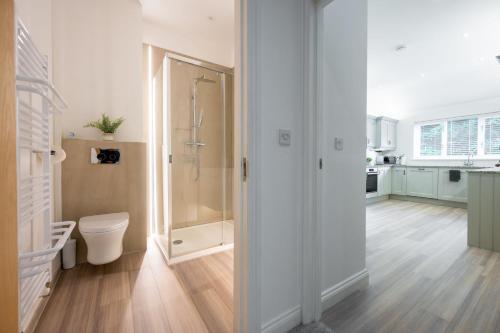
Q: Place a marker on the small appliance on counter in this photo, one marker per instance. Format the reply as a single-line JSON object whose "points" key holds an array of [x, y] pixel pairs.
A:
{"points": [[386, 160], [390, 159]]}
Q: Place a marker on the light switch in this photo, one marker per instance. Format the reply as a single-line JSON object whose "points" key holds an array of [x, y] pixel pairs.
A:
{"points": [[339, 144], [285, 137]]}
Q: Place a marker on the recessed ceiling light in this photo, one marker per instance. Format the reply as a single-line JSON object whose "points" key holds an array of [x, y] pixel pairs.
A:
{"points": [[482, 59], [422, 74], [401, 48], [466, 35]]}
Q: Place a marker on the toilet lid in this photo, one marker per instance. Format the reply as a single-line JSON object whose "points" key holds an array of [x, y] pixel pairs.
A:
{"points": [[103, 223]]}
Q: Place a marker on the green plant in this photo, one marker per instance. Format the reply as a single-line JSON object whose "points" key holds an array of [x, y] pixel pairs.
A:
{"points": [[369, 159], [106, 124]]}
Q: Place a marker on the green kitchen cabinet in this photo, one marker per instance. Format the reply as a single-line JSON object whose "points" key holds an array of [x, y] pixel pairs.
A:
{"points": [[422, 182], [452, 191], [398, 180], [384, 181]]}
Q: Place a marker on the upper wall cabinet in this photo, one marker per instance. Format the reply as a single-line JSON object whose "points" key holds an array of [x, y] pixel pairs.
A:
{"points": [[386, 134], [371, 132]]}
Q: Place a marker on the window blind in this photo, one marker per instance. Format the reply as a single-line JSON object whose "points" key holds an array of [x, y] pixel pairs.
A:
{"points": [[430, 139], [492, 136], [462, 137]]}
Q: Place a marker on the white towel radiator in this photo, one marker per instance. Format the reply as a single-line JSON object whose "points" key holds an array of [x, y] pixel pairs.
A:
{"points": [[39, 238]]}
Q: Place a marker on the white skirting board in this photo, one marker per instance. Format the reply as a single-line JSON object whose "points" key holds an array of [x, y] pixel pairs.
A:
{"points": [[293, 316], [284, 322], [341, 290]]}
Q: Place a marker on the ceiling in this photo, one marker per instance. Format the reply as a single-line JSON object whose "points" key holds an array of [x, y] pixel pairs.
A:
{"points": [[200, 21], [449, 57]]}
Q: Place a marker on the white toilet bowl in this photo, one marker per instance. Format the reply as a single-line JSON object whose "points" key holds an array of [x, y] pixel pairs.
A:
{"points": [[103, 235]]}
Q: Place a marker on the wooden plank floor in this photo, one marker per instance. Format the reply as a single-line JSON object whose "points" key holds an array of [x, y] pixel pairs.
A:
{"points": [[140, 293], [423, 277]]}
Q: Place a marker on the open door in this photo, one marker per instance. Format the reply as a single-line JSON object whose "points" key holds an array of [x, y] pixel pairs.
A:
{"points": [[167, 156]]}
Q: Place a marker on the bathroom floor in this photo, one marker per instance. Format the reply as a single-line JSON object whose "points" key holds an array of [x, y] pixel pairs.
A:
{"points": [[140, 293]]}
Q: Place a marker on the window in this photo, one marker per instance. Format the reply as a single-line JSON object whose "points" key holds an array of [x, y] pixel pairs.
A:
{"points": [[457, 138], [492, 136], [462, 137], [430, 140]]}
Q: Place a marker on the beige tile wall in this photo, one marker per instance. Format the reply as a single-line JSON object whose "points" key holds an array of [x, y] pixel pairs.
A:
{"points": [[89, 189]]}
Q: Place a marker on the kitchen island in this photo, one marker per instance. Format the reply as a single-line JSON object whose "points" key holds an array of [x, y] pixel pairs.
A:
{"points": [[484, 209]]}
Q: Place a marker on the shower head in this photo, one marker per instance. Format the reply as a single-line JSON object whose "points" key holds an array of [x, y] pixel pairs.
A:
{"points": [[203, 79]]}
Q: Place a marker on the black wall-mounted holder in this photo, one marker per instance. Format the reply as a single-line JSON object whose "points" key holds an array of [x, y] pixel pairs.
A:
{"points": [[104, 156]]}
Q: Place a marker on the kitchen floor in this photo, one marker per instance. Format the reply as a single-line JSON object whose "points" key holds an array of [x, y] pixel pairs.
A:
{"points": [[140, 293], [423, 277]]}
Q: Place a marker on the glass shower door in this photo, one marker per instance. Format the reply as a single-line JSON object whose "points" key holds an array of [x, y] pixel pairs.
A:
{"points": [[197, 150]]}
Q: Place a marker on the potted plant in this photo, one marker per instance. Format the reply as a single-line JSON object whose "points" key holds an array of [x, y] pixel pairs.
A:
{"points": [[107, 126], [369, 161]]}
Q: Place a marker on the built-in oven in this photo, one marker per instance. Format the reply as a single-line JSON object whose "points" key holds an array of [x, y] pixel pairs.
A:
{"points": [[371, 180]]}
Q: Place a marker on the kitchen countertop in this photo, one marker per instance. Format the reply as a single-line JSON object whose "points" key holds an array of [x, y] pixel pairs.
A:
{"points": [[473, 168], [487, 170]]}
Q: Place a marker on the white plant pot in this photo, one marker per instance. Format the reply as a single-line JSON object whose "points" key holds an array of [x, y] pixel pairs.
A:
{"points": [[108, 137]]}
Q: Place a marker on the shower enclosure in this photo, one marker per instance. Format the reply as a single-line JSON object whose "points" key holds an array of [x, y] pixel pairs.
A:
{"points": [[195, 170]]}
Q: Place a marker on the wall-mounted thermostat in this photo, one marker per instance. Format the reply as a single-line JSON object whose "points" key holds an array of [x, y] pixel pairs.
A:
{"points": [[104, 156]]}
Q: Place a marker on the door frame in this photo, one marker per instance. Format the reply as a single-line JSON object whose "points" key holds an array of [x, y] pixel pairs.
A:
{"points": [[311, 227], [246, 295], [247, 249], [312, 306], [247, 244], [9, 271]]}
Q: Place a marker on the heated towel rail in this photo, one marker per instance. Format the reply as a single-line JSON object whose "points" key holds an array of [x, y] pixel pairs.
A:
{"points": [[40, 239]]}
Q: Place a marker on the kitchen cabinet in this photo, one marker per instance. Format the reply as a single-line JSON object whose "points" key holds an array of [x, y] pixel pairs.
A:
{"points": [[386, 134], [398, 180], [384, 181], [422, 182], [371, 132], [452, 191]]}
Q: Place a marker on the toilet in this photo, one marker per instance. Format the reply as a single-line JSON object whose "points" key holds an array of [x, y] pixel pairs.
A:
{"points": [[103, 235]]}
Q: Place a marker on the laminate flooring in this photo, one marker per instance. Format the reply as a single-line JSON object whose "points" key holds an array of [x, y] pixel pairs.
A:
{"points": [[140, 293], [423, 277]]}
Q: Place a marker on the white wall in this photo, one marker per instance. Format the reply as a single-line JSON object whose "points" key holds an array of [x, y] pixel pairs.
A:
{"points": [[279, 170], [213, 50], [97, 56], [278, 85], [36, 16], [405, 127], [344, 115]]}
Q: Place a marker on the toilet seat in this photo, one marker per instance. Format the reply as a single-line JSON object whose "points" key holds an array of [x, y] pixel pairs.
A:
{"points": [[103, 223]]}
